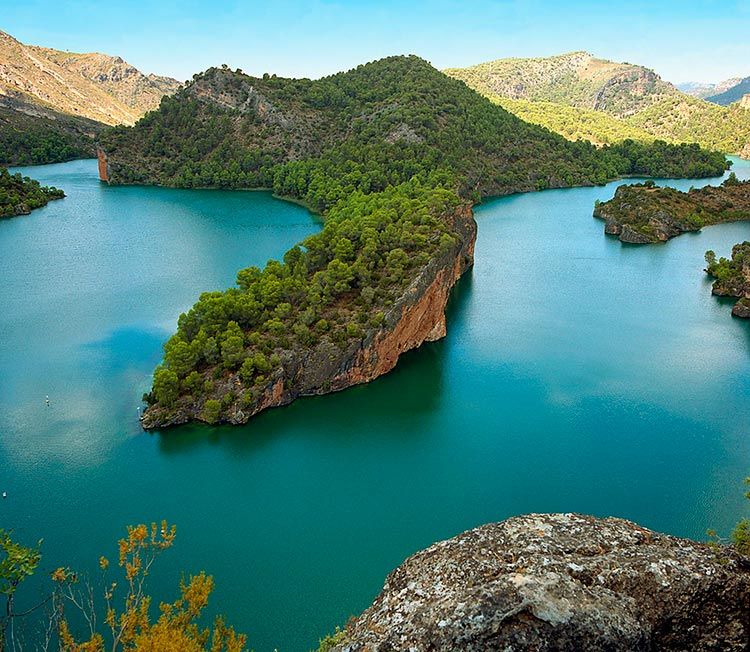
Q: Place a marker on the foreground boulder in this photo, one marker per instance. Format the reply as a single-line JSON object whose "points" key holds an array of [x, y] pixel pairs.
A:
{"points": [[560, 582]]}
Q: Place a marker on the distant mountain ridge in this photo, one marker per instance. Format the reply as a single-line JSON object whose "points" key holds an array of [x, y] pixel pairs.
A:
{"points": [[53, 104], [633, 95], [700, 90], [576, 79], [733, 94], [94, 86], [703, 90]]}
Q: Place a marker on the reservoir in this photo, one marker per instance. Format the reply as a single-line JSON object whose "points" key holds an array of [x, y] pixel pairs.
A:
{"points": [[578, 374]]}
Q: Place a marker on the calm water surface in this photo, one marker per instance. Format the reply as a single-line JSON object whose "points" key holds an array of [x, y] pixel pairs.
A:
{"points": [[578, 375]]}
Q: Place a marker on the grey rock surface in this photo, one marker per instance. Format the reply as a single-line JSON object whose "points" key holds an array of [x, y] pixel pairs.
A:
{"points": [[561, 582]]}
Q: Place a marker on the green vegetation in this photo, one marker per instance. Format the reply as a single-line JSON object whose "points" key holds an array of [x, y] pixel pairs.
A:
{"points": [[377, 125], [17, 562], [117, 618], [740, 536], [388, 152], [334, 287], [688, 119], [741, 532], [20, 195], [327, 643], [574, 123], [580, 96], [34, 140], [645, 213]]}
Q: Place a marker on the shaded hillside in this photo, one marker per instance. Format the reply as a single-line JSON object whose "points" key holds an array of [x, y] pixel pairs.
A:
{"points": [[47, 137], [20, 195], [93, 86], [624, 92], [392, 153]]}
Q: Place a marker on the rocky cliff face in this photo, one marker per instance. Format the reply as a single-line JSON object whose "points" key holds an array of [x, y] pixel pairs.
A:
{"points": [[103, 164], [560, 582], [418, 316]]}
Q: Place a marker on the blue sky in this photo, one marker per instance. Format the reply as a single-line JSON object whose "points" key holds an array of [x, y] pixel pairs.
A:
{"points": [[701, 40]]}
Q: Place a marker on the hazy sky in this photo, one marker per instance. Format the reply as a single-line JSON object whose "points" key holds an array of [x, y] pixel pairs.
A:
{"points": [[690, 40]]}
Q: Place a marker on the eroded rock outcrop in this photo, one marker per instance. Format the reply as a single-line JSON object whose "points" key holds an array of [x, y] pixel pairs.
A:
{"points": [[560, 582], [732, 277], [103, 164], [646, 213], [418, 316]]}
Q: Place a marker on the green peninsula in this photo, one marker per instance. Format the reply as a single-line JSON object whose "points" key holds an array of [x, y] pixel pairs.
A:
{"points": [[393, 154]]}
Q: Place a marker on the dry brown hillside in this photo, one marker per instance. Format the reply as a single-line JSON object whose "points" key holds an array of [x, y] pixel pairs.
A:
{"points": [[94, 86]]}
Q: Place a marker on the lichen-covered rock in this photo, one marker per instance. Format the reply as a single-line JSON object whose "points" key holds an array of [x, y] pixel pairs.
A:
{"points": [[560, 582]]}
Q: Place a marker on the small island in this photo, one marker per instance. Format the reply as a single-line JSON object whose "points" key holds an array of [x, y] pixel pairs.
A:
{"points": [[20, 195], [644, 213], [732, 277]]}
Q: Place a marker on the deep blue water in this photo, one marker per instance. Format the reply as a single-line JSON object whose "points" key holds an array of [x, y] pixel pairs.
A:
{"points": [[578, 374]]}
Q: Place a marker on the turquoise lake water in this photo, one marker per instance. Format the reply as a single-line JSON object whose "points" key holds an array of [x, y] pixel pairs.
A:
{"points": [[578, 374]]}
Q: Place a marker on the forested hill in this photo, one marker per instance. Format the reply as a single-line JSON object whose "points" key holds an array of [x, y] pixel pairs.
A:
{"points": [[379, 124], [45, 137], [391, 152], [577, 94]]}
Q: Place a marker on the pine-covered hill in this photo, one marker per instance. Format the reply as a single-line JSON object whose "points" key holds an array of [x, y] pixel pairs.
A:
{"points": [[392, 153], [20, 195], [732, 277], [376, 125]]}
